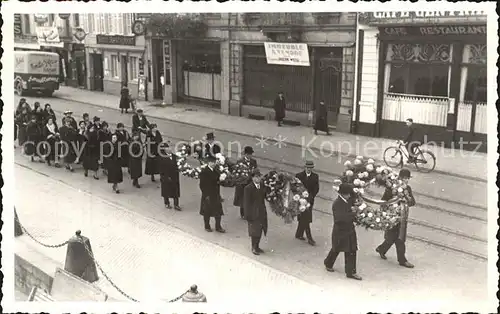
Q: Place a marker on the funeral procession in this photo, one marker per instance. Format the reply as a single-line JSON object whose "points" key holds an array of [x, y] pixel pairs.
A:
{"points": [[296, 158]]}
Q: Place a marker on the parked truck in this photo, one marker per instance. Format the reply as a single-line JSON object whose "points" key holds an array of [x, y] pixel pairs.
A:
{"points": [[36, 71]]}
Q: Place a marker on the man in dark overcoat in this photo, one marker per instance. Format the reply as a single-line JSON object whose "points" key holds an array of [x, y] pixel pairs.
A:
{"points": [[321, 123], [240, 188], [211, 148], [211, 205], [397, 235], [169, 177], [255, 210], [279, 108], [136, 153], [311, 183], [344, 233], [140, 123]]}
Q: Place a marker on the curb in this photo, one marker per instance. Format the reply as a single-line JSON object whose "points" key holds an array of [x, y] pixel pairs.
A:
{"points": [[462, 176]]}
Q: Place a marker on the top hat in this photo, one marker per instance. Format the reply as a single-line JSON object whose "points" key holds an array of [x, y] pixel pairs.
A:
{"points": [[248, 150], [345, 188], [309, 164], [255, 172], [210, 136], [404, 173]]}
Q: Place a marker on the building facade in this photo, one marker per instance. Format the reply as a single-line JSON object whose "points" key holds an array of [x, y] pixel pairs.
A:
{"points": [[428, 66]]}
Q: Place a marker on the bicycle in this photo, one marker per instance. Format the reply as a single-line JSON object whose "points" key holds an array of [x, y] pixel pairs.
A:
{"points": [[424, 160]]}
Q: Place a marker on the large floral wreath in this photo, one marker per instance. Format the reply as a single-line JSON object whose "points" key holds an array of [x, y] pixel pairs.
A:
{"points": [[372, 213]]}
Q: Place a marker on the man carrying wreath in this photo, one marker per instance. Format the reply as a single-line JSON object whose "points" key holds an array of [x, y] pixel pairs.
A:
{"points": [[255, 210], [311, 183], [397, 235]]}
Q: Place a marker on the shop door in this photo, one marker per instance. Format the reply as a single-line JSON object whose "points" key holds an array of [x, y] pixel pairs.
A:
{"points": [[158, 89], [124, 67], [97, 72], [327, 83]]}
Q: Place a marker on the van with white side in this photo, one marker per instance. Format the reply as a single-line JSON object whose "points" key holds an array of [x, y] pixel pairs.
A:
{"points": [[36, 71]]}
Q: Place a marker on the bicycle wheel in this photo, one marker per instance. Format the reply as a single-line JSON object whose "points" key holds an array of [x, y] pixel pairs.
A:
{"points": [[425, 161], [393, 156]]}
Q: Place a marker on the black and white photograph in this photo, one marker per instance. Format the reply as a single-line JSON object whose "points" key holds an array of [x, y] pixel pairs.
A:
{"points": [[246, 161]]}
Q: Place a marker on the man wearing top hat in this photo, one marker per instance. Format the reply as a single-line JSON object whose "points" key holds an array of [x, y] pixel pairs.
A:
{"points": [[210, 148], [311, 183], [68, 117], [344, 233], [397, 235], [255, 210], [139, 122], [240, 188], [211, 205]]}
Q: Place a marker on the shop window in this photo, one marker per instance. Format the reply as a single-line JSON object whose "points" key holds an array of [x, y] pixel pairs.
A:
{"points": [[133, 68], [202, 63], [114, 66], [473, 77]]}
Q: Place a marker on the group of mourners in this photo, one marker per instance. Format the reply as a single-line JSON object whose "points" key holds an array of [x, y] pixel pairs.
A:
{"points": [[92, 144]]}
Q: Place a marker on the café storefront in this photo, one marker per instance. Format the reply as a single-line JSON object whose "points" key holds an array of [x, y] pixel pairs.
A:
{"points": [[436, 75]]}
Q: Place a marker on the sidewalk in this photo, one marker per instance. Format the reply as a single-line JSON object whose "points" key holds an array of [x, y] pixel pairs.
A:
{"points": [[449, 161], [150, 261]]}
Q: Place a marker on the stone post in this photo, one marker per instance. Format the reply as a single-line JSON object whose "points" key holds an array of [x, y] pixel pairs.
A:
{"points": [[79, 258]]}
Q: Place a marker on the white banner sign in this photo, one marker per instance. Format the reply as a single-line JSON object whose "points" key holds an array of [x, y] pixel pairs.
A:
{"points": [[287, 54], [48, 36]]}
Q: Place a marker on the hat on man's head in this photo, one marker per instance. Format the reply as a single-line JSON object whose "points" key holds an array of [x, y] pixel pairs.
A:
{"points": [[139, 111], [404, 173], [248, 150], [210, 158], [345, 188], [85, 115], [255, 172], [210, 136], [96, 118], [104, 123], [68, 112], [309, 164], [120, 125]]}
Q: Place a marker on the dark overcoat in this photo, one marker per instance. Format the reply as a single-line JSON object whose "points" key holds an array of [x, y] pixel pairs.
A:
{"points": [[279, 108], [321, 123], [311, 183], [255, 209], [124, 99], [135, 159], [169, 177], [123, 139], [152, 157], [209, 151], [22, 121], [33, 137], [70, 137], [344, 233], [138, 122], [211, 204], [400, 230], [240, 188], [115, 174], [92, 151], [51, 138], [104, 137], [49, 114]]}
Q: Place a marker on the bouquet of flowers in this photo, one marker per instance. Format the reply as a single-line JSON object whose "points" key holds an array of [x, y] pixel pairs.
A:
{"points": [[184, 168], [361, 174], [241, 172], [286, 195]]}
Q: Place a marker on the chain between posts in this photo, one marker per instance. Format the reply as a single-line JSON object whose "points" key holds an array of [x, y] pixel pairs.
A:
{"points": [[95, 261]]}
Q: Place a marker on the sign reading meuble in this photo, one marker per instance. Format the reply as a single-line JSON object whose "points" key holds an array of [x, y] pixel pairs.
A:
{"points": [[287, 54]]}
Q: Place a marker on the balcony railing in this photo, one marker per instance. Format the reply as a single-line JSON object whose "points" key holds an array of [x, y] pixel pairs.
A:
{"points": [[274, 19]]}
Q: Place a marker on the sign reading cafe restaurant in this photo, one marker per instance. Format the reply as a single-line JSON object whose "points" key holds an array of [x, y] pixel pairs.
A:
{"points": [[287, 54]]}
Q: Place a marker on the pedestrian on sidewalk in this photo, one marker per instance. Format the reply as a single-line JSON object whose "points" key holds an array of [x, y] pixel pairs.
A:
{"points": [[136, 152], [104, 135], [344, 233], [321, 123], [239, 189], [169, 177], [91, 152], [51, 135], [397, 235], [153, 140], [311, 183], [211, 205], [279, 108], [70, 139], [115, 174], [140, 123], [124, 99], [68, 117], [255, 210]]}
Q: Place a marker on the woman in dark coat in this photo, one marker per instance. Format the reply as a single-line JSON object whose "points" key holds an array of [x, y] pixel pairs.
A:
{"points": [[32, 146], [104, 135], [279, 108], [49, 113], [22, 120], [38, 112], [70, 137], [321, 123], [169, 177], [154, 138], [91, 152], [115, 174], [123, 140], [124, 99], [136, 151], [51, 136], [20, 107]]}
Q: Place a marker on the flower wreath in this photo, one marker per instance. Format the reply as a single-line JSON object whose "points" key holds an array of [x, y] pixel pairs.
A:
{"points": [[361, 175]]}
